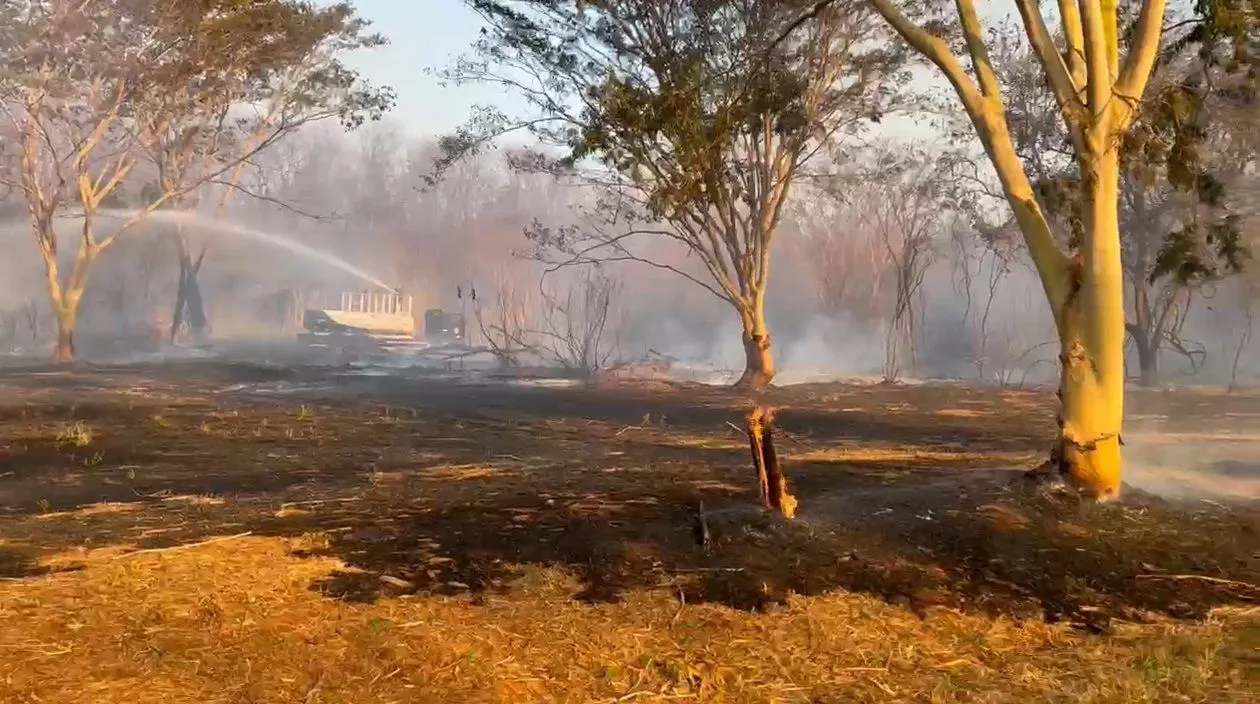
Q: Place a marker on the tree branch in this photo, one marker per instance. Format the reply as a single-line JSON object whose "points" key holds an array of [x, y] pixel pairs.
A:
{"points": [[935, 50], [973, 35], [237, 187], [1136, 71], [1074, 38], [1065, 89], [990, 121]]}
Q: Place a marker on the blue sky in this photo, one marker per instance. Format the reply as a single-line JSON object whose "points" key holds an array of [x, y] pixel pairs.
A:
{"points": [[423, 34], [429, 34]]}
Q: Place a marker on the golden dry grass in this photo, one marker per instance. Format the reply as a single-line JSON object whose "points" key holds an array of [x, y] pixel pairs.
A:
{"points": [[98, 509], [456, 473], [963, 413], [237, 621], [911, 454], [708, 442]]}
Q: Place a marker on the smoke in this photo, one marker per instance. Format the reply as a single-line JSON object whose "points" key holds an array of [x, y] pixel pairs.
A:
{"points": [[354, 198], [1181, 460]]}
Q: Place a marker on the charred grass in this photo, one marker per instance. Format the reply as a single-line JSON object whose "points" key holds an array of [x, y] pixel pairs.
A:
{"points": [[182, 537]]}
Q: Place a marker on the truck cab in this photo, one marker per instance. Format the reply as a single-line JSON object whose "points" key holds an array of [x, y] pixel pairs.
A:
{"points": [[443, 328]]}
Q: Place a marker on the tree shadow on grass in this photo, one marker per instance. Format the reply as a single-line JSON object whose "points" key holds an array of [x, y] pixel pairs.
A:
{"points": [[979, 543], [16, 564], [22, 562]]}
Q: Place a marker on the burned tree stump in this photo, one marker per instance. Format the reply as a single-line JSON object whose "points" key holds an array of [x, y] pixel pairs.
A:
{"points": [[770, 480]]}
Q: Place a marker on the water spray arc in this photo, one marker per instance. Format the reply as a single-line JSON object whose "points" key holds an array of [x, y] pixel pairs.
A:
{"points": [[198, 221]]}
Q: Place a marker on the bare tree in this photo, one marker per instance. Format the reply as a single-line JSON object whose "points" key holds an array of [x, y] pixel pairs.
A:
{"points": [[984, 260], [505, 324], [1244, 339], [846, 259], [1248, 295], [34, 316], [569, 324], [905, 214], [576, 333], [9, 320]]}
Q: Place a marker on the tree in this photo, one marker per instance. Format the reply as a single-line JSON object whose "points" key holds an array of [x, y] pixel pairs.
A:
{"points": [[505, 324], [846, 262], [698, 118], [905, 214], [289, 74], [65, 100], [994, 255], [567, 324], [1247, 295], [1177, 234], [576, 334], [93, 83], [1097, 93]]}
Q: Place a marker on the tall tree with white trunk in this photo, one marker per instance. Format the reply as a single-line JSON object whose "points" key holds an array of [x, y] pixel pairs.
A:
{"points": [[1178, 184], [1097, 92]]}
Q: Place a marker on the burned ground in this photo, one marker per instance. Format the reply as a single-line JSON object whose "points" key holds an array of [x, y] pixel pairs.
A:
{"points": [[421, 488]]}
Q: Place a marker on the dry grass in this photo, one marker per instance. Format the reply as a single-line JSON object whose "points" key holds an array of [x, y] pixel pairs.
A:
{"points": [[963, 413], [458, 473], [103, 508], [78, 434], [708, 442], [904, 454], [865, 453], [236, 621]]}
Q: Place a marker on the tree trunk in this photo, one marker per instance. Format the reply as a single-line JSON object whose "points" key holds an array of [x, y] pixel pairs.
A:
{"points": [[771, 483], [758, 359], [181, 297], [1146, 340], [758, 362], [189, 304], [1148, 364], [195, 306], [1243, 341], [1092, 334], [63, 353], [65, 297]]}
